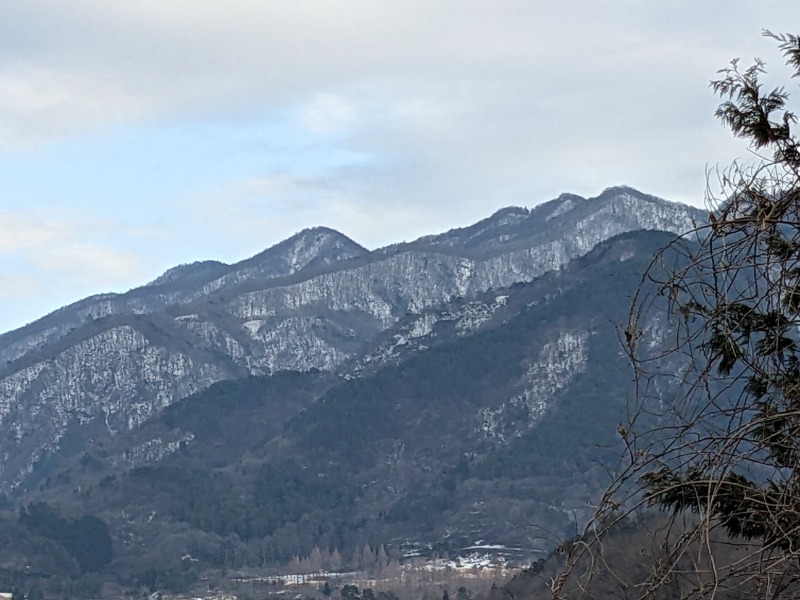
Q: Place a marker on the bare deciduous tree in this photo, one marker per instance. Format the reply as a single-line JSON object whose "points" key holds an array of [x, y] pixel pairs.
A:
{"points": [[713, 438]]}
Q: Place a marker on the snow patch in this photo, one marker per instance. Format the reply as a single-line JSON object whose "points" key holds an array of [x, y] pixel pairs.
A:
{"points": [[252, 328], [562, 208]]}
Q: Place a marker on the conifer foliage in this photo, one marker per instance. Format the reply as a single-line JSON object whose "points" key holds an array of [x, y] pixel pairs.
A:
{"points": [[714, 434], [739, 303]]}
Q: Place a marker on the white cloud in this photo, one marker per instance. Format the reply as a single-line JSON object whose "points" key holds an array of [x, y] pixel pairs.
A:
{"points": [[89, 63], [328, 113], [411, 116], [46, 247], [82, 264], [21, 232], [20, 286], [42, 105]]}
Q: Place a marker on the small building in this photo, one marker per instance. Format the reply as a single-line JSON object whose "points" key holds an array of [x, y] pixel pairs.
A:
{"points": [[5, 595]]}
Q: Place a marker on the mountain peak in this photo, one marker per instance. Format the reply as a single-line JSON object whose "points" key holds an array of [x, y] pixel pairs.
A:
{"points": [[319, 232], [619, 189], [519, 211], [188, 271], [311, 245], [625, 190]]}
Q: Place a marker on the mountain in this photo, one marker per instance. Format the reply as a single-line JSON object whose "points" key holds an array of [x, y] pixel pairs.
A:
{"points": [[310, 248], [440, 391]]}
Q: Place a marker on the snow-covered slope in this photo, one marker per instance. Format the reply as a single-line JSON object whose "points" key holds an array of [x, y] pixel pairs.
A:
{"points": [[315, 301]]}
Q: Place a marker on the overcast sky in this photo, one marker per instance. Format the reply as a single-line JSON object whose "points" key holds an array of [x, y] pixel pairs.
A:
{"points": [[138, 135]]}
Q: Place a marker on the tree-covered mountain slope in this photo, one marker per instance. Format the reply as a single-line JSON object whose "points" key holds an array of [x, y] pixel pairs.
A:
{"points": [[316, 301], [496, 422]]}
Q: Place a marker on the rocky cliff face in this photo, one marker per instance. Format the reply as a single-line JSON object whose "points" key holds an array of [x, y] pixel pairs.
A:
{"points": [[305, 250], [315, 301]]}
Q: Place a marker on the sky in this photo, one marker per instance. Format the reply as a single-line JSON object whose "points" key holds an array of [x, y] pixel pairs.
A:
{"points": [[136, 136]]}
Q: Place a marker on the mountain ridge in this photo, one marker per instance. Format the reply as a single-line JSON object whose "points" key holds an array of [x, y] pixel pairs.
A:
{"points": [[464, 387], [482, 433], [167, 278], [313, 301]]}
